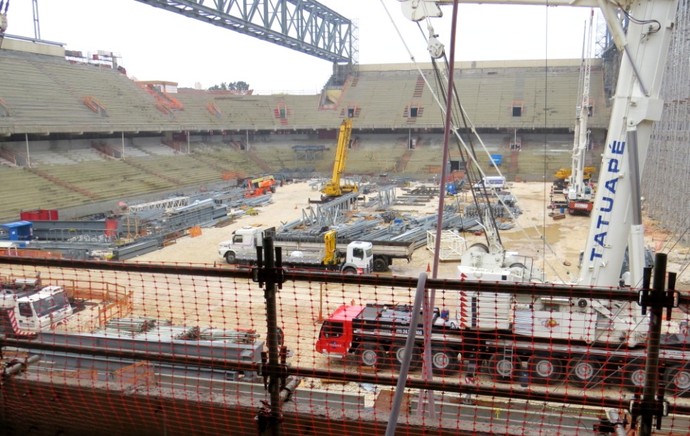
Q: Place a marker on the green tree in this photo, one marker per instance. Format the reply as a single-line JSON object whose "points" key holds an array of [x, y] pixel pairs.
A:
{"points": [[231, 86]]}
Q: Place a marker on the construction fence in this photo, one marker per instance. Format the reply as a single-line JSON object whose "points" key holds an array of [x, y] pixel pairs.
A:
{"points": [[195, 349]]}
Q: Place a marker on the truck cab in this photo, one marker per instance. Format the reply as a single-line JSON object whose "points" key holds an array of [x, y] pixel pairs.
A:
{"points": [[243, 242], [35, 308], [335, 337], [360, 256]]}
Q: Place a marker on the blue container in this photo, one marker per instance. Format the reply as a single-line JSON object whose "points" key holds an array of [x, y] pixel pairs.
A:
{"points": [[18, 230], [497, 159]]}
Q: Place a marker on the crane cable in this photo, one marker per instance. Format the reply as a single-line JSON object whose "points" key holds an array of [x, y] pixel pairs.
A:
{"points": [[434, 94], [461, 141], [472, 152], [419, 69], [470, 170], [441, 81]]}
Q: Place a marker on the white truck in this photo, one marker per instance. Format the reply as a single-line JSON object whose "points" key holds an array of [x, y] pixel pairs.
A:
{"points": [[490, 183], [383, 251], [27, 307], [358, 258]]}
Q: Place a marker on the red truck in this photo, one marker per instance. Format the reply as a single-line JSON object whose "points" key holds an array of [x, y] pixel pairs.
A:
{"points": [[375, 335]]}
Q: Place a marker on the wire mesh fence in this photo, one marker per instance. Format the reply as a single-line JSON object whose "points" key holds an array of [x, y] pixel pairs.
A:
{"points": [[174, 349]]}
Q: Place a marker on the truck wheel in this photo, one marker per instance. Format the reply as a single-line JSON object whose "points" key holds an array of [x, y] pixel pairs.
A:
{"points": [[545, 369], [679, 381], [444, 359], [370, 355], [584, 371], [500, 367], [349, 271], [415, 361], [380, 265], [634, 376], [230, 257]]}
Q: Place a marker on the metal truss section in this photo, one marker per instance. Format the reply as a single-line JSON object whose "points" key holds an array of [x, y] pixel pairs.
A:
{"points": [[385, 196], [452, 244], [330, 213], [168, 203], [302, 25]]}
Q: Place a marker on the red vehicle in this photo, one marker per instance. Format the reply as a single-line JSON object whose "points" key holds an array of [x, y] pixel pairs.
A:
{"points": [[375, 336]]}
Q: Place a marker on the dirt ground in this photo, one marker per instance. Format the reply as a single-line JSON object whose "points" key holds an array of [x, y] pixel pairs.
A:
{"points": [[554, 244]]}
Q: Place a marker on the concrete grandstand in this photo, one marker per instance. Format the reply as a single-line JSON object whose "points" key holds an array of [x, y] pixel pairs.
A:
{"points": [[74, 133]]}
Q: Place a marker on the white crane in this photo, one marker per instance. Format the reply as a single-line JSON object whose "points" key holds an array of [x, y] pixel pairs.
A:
{"points": [[616, 227], [579, 190], [616, 218], [616, 222]]}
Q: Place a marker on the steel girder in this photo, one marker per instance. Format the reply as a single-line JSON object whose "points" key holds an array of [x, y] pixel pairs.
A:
{"points": [[302, 25]]}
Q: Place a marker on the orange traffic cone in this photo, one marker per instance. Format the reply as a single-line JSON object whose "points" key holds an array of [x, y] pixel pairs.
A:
{"points": [[428, 267]]}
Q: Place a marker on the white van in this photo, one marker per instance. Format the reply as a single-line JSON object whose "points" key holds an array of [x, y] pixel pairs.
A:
{"points": [[495, 183]]}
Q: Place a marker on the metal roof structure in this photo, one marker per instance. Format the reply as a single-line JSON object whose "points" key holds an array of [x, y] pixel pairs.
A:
{"points": [[305, 26]]}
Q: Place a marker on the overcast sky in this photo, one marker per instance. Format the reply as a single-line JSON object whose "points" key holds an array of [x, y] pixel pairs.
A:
{"points": [[159, 45]]}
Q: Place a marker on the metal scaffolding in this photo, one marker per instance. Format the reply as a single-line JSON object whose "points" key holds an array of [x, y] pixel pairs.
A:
{"points": [[668, 167]]}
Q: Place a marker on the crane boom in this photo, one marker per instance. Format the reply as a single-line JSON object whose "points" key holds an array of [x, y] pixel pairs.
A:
{"points": [[333, 188], [617, 219], [579, 192], [417, 10]]}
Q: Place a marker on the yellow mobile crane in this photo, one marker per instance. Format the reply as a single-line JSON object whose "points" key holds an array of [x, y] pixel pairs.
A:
{"points": [[333, 188]]}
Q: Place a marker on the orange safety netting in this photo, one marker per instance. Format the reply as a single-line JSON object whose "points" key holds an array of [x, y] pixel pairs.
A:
{"points": [[179, 349]]}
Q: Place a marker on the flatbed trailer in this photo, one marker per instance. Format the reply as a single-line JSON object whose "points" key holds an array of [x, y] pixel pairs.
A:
{"points": [[384, 251], [302, 261]]}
